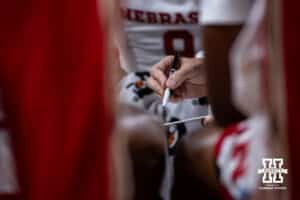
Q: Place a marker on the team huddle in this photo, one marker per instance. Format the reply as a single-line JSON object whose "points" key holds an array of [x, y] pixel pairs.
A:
{"points": [[220, 77], [196, 101]]}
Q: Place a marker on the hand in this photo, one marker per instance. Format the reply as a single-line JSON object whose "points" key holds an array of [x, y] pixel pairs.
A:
{"points": [[208, 121], [187, 82]]}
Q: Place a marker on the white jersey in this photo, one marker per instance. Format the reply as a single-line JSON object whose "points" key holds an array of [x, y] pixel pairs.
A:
{"points": [[238, 155], [228, 12], [154, 29]]}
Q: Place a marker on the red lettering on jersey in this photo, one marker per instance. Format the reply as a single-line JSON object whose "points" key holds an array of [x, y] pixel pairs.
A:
{"points": [[139, 16], [193, 16], [151, 17], [159, 18], [127, 14], [240, 151], [180, 19], [165, 18], [185, 36]]}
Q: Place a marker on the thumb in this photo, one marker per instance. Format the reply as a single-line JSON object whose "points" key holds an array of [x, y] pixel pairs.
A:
{"points": [[177, 78]]}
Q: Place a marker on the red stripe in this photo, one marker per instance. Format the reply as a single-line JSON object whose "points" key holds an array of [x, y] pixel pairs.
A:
{"points": [[234, 129], [240, 151]]}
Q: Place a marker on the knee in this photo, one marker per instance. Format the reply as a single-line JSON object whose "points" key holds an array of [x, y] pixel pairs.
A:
{"points": [[196, 152], [145, 138], [198, 145], [194, 162]]}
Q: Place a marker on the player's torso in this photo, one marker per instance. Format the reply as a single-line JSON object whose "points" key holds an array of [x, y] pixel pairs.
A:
{"points": [[157, 28]]}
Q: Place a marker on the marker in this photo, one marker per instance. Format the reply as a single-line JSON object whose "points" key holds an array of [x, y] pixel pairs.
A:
{"points": [[185, 121], [167, 92]]}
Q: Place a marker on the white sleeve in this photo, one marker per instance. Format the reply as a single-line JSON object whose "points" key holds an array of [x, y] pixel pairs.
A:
{"points": [[224, 11]]}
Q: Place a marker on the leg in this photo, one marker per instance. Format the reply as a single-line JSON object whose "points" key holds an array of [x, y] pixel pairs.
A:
{"points": [[146, 147], [194, 167]]}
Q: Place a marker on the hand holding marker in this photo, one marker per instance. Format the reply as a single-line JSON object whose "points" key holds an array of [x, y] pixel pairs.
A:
{"points": [[168, 92]]}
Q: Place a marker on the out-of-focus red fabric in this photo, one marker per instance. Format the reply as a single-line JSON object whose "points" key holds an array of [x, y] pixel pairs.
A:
{"points": [[291, 47], [51, 72]]}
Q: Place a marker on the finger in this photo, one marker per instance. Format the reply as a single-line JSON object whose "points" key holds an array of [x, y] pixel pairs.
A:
{"points": [[155, 86], [159, 76], [181, 75], [208, 121], [190, 69], [159, 70], [165, 63]]}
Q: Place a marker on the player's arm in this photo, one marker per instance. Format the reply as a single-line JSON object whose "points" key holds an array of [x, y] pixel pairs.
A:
{"points": [[119, 160], [222, 23], [218, 40]]}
